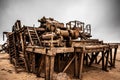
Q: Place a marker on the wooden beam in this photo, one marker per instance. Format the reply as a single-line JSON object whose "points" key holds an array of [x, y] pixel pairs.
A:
{"points": [[76, 65], [111, 59], [47, 68], [52, 58], [94, 56], [81, 65], [103, 65], [68, 64], [114, 57], [106, 64]]}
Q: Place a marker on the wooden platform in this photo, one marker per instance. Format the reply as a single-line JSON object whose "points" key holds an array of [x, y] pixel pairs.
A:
{"points": [[80, 50]]}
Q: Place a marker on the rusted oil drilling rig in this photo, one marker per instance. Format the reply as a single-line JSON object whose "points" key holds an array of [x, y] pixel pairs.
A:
{"points": [[54, 47]]}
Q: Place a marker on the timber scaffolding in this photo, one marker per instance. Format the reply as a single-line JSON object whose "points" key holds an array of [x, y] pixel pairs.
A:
{"points": [[52, 47]]}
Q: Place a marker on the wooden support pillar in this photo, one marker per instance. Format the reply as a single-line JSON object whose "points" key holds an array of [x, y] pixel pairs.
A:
{"points": [[87, 56], [26, 62], [25, 53], [81, 64], [111, 61], [49, 67], [103, 65], [52, 58], [76, 66], [114, 57], [107, 58], [94, 56]]}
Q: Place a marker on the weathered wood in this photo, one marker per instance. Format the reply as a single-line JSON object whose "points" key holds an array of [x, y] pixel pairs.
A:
{"points": [[114, 57], [103, 65], [68, 64], [59, 62], [111, 59], [94, 56], [106, 64], [33, 63], [76, 65], [60, 42], [81, 65], [52, 58], [47, 68], [42, 60]]}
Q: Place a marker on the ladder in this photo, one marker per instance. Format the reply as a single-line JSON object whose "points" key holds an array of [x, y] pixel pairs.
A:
{"points": [[12, 47], [33, 36]]}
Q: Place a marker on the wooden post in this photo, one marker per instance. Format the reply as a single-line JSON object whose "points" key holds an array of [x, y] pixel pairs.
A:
{"points": [[107, 58], [103, 54], [47, 68], [87, 59], [94, 56], [81, 64], [76, 66], [111, 61], [114, 57], [26, 54], [51, 67]]}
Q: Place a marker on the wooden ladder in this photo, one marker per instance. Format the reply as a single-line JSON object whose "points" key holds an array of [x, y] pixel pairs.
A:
{"points": [[12, 47], [16, 49], [33, 36]]}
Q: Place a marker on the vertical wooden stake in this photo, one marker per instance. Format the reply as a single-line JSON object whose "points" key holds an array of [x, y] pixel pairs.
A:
{"points": [[111, 58], [106, 65], [103, 54], [51, 67], [115, 52], [81, 65], [47, 68], [76, 65]]}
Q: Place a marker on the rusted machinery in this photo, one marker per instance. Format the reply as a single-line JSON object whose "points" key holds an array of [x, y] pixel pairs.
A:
{"points": [[54, 47]]}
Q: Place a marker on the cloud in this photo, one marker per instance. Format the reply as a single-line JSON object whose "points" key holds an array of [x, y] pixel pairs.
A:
{"points": [[103, 15]]}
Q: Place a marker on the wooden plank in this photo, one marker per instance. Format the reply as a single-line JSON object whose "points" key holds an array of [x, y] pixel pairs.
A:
{"points": [[114, 57], [36, 50], [111, 59], [47, 68], [68, 64], [52, 58], [94, 56], [103, 65], [76, 66], [81, 65], [106, 64]]}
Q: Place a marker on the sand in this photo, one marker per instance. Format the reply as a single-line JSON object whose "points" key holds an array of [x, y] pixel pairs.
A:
{"points": [[7, 71]]}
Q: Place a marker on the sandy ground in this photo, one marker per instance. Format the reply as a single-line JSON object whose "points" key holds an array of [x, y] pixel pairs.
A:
{"points": [[7, 71]]}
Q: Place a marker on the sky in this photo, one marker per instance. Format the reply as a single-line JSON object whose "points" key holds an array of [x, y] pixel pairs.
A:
{"points": [[103, 15]]}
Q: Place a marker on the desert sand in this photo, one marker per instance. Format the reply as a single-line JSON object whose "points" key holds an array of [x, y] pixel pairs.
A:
{"points": [[7, 71]]}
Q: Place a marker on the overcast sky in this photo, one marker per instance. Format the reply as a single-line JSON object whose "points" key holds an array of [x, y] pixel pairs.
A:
{"points": [[103, 15]]}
